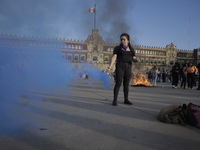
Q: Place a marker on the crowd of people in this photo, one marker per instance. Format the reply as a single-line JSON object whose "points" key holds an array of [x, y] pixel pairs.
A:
{"points": [[186, 74]]}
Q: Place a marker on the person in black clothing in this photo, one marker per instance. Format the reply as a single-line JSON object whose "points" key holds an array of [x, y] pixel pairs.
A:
{"points": [[183, 74], [125, 54], [175, 74], [163, 76], [191, 72], [198, 67]]}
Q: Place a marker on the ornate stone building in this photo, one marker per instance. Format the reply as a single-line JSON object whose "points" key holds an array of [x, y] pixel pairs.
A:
{"points": [[94, 50]]}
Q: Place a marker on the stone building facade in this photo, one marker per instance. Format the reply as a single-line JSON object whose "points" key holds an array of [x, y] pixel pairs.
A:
{"points": [[94, 50]]}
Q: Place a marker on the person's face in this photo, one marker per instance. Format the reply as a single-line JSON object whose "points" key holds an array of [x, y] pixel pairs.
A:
{"points": [[124, 40]]}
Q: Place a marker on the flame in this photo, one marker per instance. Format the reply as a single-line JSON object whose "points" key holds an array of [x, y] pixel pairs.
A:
{"points": [[140, 79]]}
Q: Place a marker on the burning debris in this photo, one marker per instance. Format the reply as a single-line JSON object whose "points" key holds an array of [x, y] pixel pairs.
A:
{"points": [[140, 79]]}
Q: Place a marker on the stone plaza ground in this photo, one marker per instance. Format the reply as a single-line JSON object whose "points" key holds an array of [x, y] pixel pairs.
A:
{"points": [[84, 119]]}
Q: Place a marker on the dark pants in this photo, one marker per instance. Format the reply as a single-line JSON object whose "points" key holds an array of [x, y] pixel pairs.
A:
{"points": [[199, 81], [123, 72], [190, 77], [183, 82], [175, 79]]}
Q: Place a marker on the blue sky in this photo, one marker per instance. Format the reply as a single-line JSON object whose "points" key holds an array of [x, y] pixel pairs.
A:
{"points": [[149, 22]]}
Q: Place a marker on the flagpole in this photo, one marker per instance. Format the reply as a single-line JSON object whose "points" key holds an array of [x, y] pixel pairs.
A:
{"points": [[189, 31], [95, 16]]}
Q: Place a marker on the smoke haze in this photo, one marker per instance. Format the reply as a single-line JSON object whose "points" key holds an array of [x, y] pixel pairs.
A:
{"points": [[68, 19], [29, 69]]}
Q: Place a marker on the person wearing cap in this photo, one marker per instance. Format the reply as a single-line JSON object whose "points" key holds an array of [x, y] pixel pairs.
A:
{"points": [[123, 55]]}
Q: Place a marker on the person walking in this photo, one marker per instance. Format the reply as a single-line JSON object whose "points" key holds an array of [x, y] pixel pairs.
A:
{"points": [[154, 76], [124, 54], [191, 71]]}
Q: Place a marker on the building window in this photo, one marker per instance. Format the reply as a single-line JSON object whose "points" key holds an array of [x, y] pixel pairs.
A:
{"points": [[159, 61], [152, 61], [79, 47], [171, 62], [106, 59], [82, 58], [75, 57], [69, 57], [147, 61], [142, 61], [155, 61], [76, 46], [95, 58], [109, 49], [72, 46]]}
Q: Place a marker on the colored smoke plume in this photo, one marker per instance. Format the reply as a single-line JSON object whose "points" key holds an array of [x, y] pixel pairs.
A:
{"points": [[94, 73], [28, 69]]}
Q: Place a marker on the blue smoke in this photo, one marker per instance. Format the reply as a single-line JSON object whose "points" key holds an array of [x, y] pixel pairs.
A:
{"points": [[28, 69], [25, 70], [95, 74]]}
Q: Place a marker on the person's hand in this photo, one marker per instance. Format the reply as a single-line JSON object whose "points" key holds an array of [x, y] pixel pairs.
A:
{"points": [[108, 70], [138, 60]]}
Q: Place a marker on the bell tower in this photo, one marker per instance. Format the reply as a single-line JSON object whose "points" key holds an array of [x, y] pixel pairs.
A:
{"points": [[95, 45]]}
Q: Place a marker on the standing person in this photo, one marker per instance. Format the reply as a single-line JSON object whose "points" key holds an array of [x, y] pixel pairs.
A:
{"points": [[163, 76], [125, 54], [183, 73], [167, 76], [198, 66], [171, 77], [191, 71], [175, 74], [150, 75], [159, 75], [154, 75]]}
